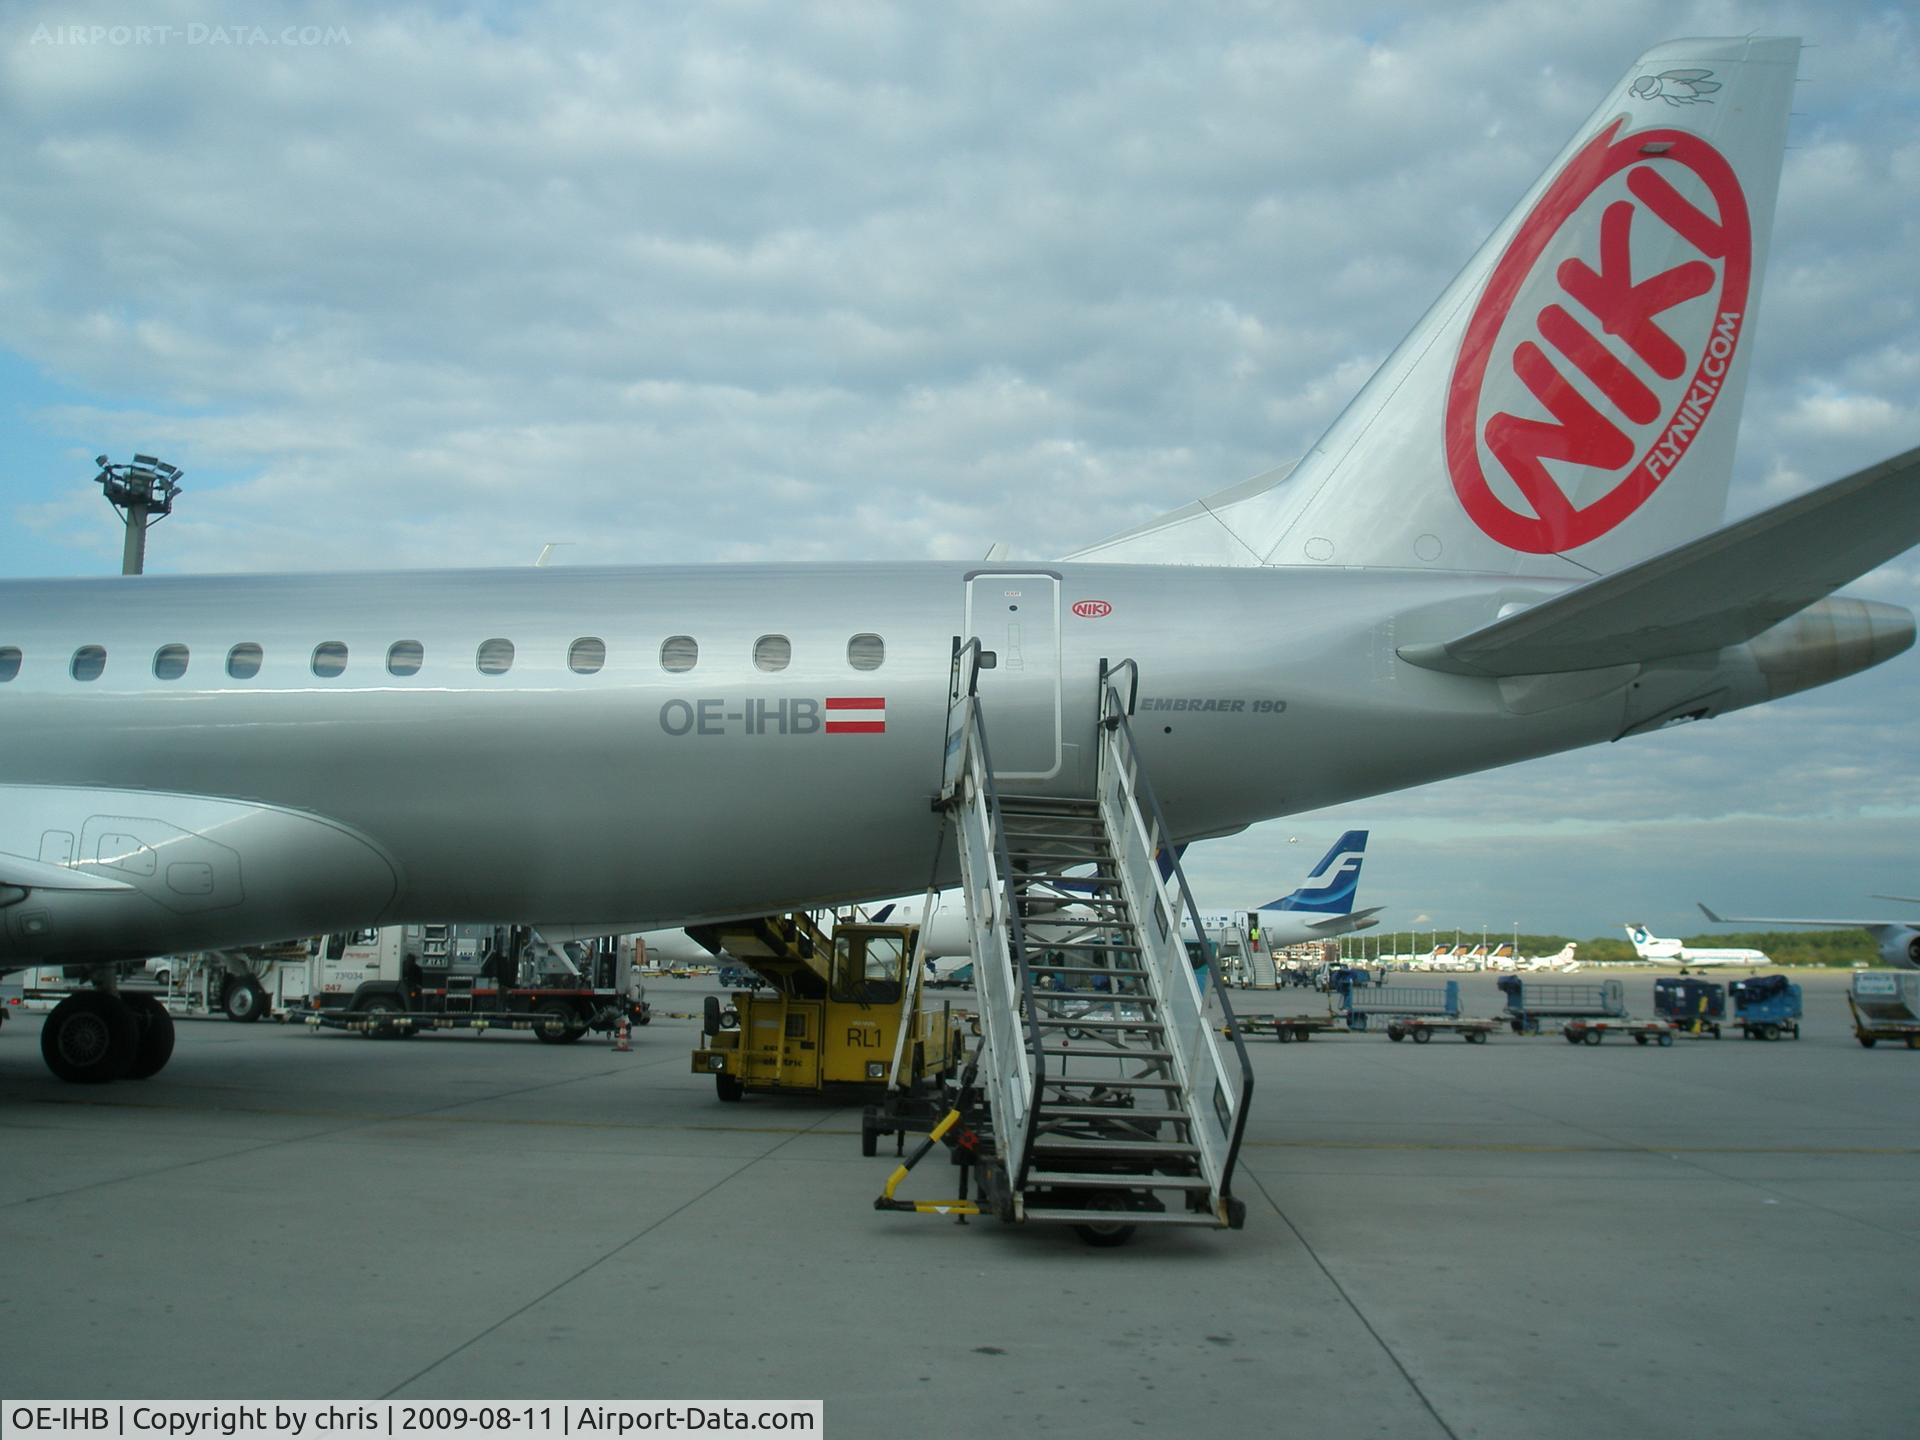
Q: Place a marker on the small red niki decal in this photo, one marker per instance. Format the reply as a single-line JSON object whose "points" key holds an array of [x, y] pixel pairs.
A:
{"points": [[856, 714], [1091, 609]]}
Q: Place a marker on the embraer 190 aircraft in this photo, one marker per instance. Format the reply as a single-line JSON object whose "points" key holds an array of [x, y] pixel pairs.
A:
{"points": [[1505, 547]]}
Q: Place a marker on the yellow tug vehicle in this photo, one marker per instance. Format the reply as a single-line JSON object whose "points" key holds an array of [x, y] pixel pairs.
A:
{"points": [[845, 1010]]}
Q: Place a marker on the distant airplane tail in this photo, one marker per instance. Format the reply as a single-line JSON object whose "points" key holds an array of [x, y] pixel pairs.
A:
{"points": [[1332, 884], [1649, 946], [1568, 406]]}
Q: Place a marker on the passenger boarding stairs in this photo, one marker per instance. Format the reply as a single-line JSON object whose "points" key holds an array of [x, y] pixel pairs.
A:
{"points": [[1106, 1089]]}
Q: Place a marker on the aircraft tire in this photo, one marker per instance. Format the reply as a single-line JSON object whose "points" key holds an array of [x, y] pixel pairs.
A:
{"points": [[245, 1001], [1105, 1234], [89, 1038], [155, 1045]]}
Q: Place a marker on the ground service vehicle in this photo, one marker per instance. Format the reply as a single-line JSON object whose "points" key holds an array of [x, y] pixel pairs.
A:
{"points": [[402, 979], [843, 1008], [1766, 1007], [1693, 1007]]}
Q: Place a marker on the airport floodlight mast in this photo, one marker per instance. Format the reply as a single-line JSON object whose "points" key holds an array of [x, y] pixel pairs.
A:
{"points": [[142, 493]]}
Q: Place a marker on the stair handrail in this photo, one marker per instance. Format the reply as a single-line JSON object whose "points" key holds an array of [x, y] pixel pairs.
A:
{"points": [[1114, 710], [968, 759]]}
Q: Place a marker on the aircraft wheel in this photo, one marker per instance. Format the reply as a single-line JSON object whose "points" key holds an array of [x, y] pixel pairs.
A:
{"points": [[553, 1023], [90, 1038], [729, 1088], [246, 1001], [155, 1045]]}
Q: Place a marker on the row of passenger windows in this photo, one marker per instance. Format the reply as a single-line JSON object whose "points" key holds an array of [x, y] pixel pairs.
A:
{"points": [[586, 656]]}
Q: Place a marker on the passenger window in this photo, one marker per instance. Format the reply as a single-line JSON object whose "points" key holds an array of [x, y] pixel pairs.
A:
{"points": [[169, 662], [329, 658], [587, 655], [772, 652], [88, 662], [679, 653], [495, 657], [405, 657], [243, 661], [9, 662], [866, 652]]}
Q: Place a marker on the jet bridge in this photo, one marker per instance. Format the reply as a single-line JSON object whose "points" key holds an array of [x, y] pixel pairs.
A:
{"points": [[1108, 1102]]}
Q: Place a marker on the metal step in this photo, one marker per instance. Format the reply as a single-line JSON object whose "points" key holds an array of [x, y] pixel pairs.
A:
{"points": [[1065, 1216], [1054, 1147], [1095, 1180], [1050, 1022], [1050, 1111], [1119, 1053]]}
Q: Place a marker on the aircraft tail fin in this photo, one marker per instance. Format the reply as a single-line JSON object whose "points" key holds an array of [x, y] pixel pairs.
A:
{"points": [[1649, 946], [1332, 884], [1569, 404]]}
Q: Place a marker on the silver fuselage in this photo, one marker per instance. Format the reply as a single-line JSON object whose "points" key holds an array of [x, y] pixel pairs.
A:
{"points": [[228, 810]]}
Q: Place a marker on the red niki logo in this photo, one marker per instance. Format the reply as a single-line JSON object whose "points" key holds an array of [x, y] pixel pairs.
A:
{"points": [[1638, 437], [1091, 609]]}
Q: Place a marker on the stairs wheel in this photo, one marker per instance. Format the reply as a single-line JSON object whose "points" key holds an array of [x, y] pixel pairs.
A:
{"points": [[1103, 1234]]}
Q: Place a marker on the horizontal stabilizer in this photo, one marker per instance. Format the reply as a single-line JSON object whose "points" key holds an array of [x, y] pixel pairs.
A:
{"points": [[25, 874], [1337, 923], [1722, 589]]}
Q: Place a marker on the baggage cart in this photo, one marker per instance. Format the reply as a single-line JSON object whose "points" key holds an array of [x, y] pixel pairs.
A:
{"points": [[1422, 1028], [1885, 1006], [1591, 1030], [1531, 1001], [1285, 1028], [1692, 1007], [1766, 1007]]}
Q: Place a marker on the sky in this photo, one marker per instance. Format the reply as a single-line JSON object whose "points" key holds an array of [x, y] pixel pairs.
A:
{"points": [[437, 285]]}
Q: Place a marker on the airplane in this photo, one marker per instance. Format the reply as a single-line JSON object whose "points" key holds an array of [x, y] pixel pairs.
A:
{"points": [[1649, 946], [1321, 908], [1561, 959], [1505, 547], [1897, 940]]}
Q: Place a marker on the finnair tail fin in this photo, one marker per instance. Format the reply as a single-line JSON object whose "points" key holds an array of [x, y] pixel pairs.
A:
{"points": [[1569, 404], [1332, 884]]}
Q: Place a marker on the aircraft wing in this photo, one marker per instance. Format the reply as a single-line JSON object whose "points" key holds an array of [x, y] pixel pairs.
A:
{"points": [[1721, 589], [1783, 920], [25, 874]]}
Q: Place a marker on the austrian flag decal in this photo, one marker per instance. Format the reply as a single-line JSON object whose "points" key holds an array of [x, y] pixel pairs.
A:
{"points": [[1602, 341], [856, 714]]}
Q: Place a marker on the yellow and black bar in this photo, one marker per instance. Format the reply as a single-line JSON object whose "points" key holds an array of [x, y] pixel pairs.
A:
{"points": [[960, 1206]]}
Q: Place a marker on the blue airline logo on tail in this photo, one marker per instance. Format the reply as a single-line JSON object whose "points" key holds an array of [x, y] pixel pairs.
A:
{"points": [[1331, 886]]}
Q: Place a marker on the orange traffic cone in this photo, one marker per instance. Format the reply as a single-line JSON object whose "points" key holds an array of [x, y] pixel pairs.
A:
{"points": [[620, 1045]]}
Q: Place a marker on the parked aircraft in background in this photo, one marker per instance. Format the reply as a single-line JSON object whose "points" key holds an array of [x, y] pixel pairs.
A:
{"points": [[1319, 909], [1503, 548], [1898, 940], [1649, 946], [1561, 959]]}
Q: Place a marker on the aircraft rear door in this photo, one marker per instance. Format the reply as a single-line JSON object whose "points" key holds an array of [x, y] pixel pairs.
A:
{"points": [[1017, 619]]}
